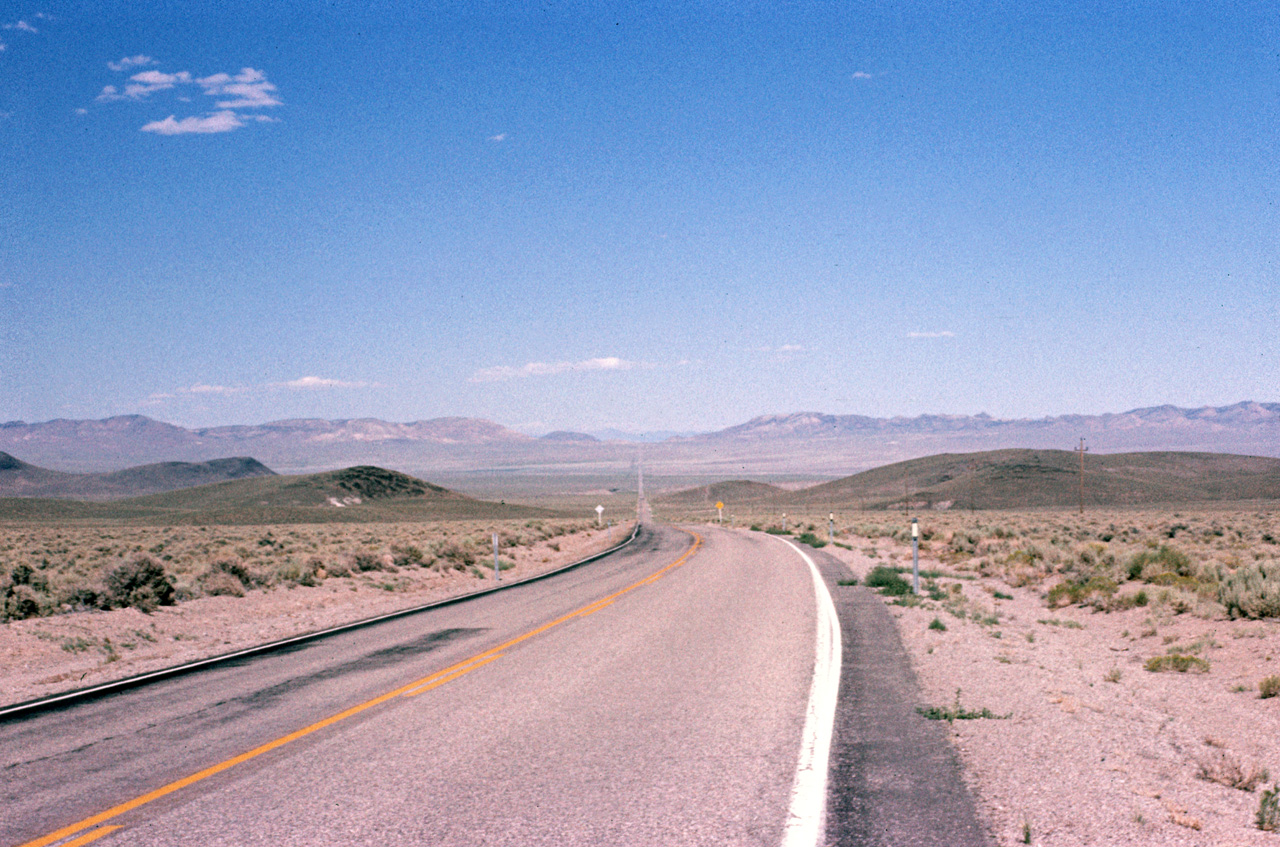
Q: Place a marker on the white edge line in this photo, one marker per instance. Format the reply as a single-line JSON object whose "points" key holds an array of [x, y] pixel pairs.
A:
{"points": [[809, 791]]}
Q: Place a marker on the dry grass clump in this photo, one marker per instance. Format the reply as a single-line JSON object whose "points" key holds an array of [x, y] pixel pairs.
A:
{"points": [[1225, 769], [1269, 687], [47, 570]]}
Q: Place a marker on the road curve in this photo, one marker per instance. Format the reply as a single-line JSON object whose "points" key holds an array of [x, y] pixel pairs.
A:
{"points": [[653, 697]]}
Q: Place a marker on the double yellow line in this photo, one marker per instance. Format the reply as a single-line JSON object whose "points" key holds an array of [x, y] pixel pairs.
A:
{"points": [[413, 689]]}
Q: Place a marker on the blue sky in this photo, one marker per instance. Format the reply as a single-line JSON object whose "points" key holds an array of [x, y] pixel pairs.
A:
{"points": [[669, 216]]}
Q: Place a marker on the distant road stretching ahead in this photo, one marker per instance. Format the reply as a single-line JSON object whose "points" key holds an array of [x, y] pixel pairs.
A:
{"points": [[657, 696]]}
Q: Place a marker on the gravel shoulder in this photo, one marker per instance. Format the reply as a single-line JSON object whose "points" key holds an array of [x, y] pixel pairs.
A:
{"points": [[50, 655], [1094, 749]]}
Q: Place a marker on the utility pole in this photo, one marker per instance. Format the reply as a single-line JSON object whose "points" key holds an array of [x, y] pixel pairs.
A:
{"points": [[1082, 450], [973, 472]]}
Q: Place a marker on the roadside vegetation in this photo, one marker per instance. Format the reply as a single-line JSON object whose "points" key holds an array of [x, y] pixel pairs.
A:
{"points": [[47, 570], [1208, 562]]}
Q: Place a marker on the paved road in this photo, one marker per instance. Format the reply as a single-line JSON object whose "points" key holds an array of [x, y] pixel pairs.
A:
{"points": [[669, 715]]}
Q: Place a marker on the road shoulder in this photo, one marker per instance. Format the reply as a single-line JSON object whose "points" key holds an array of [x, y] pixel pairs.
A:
{"points": [[894, 778]]}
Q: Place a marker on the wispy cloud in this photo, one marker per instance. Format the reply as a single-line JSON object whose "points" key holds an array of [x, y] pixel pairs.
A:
{"points": [[782, 348], [860, 75], [144, 85], [499, 373], [306, 383], [128, 62], [943, 334], [201, 388], [248, 89], [22, 26], [317, 382], [502, 136], [217, 122]]}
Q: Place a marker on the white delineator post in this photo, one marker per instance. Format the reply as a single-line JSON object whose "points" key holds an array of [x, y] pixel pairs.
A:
{"points": [[915, 556], [599, 515]]}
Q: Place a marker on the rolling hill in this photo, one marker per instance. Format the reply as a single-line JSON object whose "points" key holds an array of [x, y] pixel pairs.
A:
{"points": [[738, 492], [1010, 479], [361, 494], [20, 479], [1016, 479]]}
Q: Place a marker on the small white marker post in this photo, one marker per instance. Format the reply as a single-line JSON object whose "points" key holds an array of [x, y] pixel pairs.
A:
{"points": [[915, 556], [720, 511], [497, 568], [831, 527], [599, 514], [784, 523]]}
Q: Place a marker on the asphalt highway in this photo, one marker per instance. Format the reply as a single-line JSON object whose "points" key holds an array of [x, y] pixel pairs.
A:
{"points": [[657, 696]]}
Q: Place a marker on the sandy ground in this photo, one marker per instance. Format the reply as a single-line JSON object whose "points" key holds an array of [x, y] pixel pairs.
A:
{"points": [[43, 656], [1095, 750]]}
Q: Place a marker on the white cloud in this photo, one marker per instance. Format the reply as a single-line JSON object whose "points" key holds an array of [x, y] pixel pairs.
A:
{"points": [[860, 75], [127, 62], [943, 334], [143, 85], [3, 47], [217, 122], [200, 388], [21, 25], [314, 382], [499, 137], [248, 89], [504, 372]]}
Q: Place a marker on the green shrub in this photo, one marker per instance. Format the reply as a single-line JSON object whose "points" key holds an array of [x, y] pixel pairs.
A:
{"points": [[1269, 809], [956, 712], [141, 583], [1165, 559], [408, 555], [1253, 591], [888, 581], [1177, 662], [1073, 591], [811, 539], [937, 624], [1269, 687]]}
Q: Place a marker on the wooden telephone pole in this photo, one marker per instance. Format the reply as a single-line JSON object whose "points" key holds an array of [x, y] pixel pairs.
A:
{"points": [[1082, 450]]}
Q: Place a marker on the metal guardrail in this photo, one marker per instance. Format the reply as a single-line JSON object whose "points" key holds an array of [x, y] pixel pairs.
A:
{"points": [[68, 698]]}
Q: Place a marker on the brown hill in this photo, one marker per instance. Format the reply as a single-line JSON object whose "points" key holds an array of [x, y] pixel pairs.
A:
{"points": [[20, 479], [735, 492], [1010, 479], [352, 495]]}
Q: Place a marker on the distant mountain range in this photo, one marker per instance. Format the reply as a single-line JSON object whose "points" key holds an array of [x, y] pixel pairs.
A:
{"points": [[804, 442]]}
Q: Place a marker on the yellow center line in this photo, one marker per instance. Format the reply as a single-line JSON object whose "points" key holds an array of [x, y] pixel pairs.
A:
{"points": [[430, 681], [91, 836], [593, 609], [436, 683]]}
